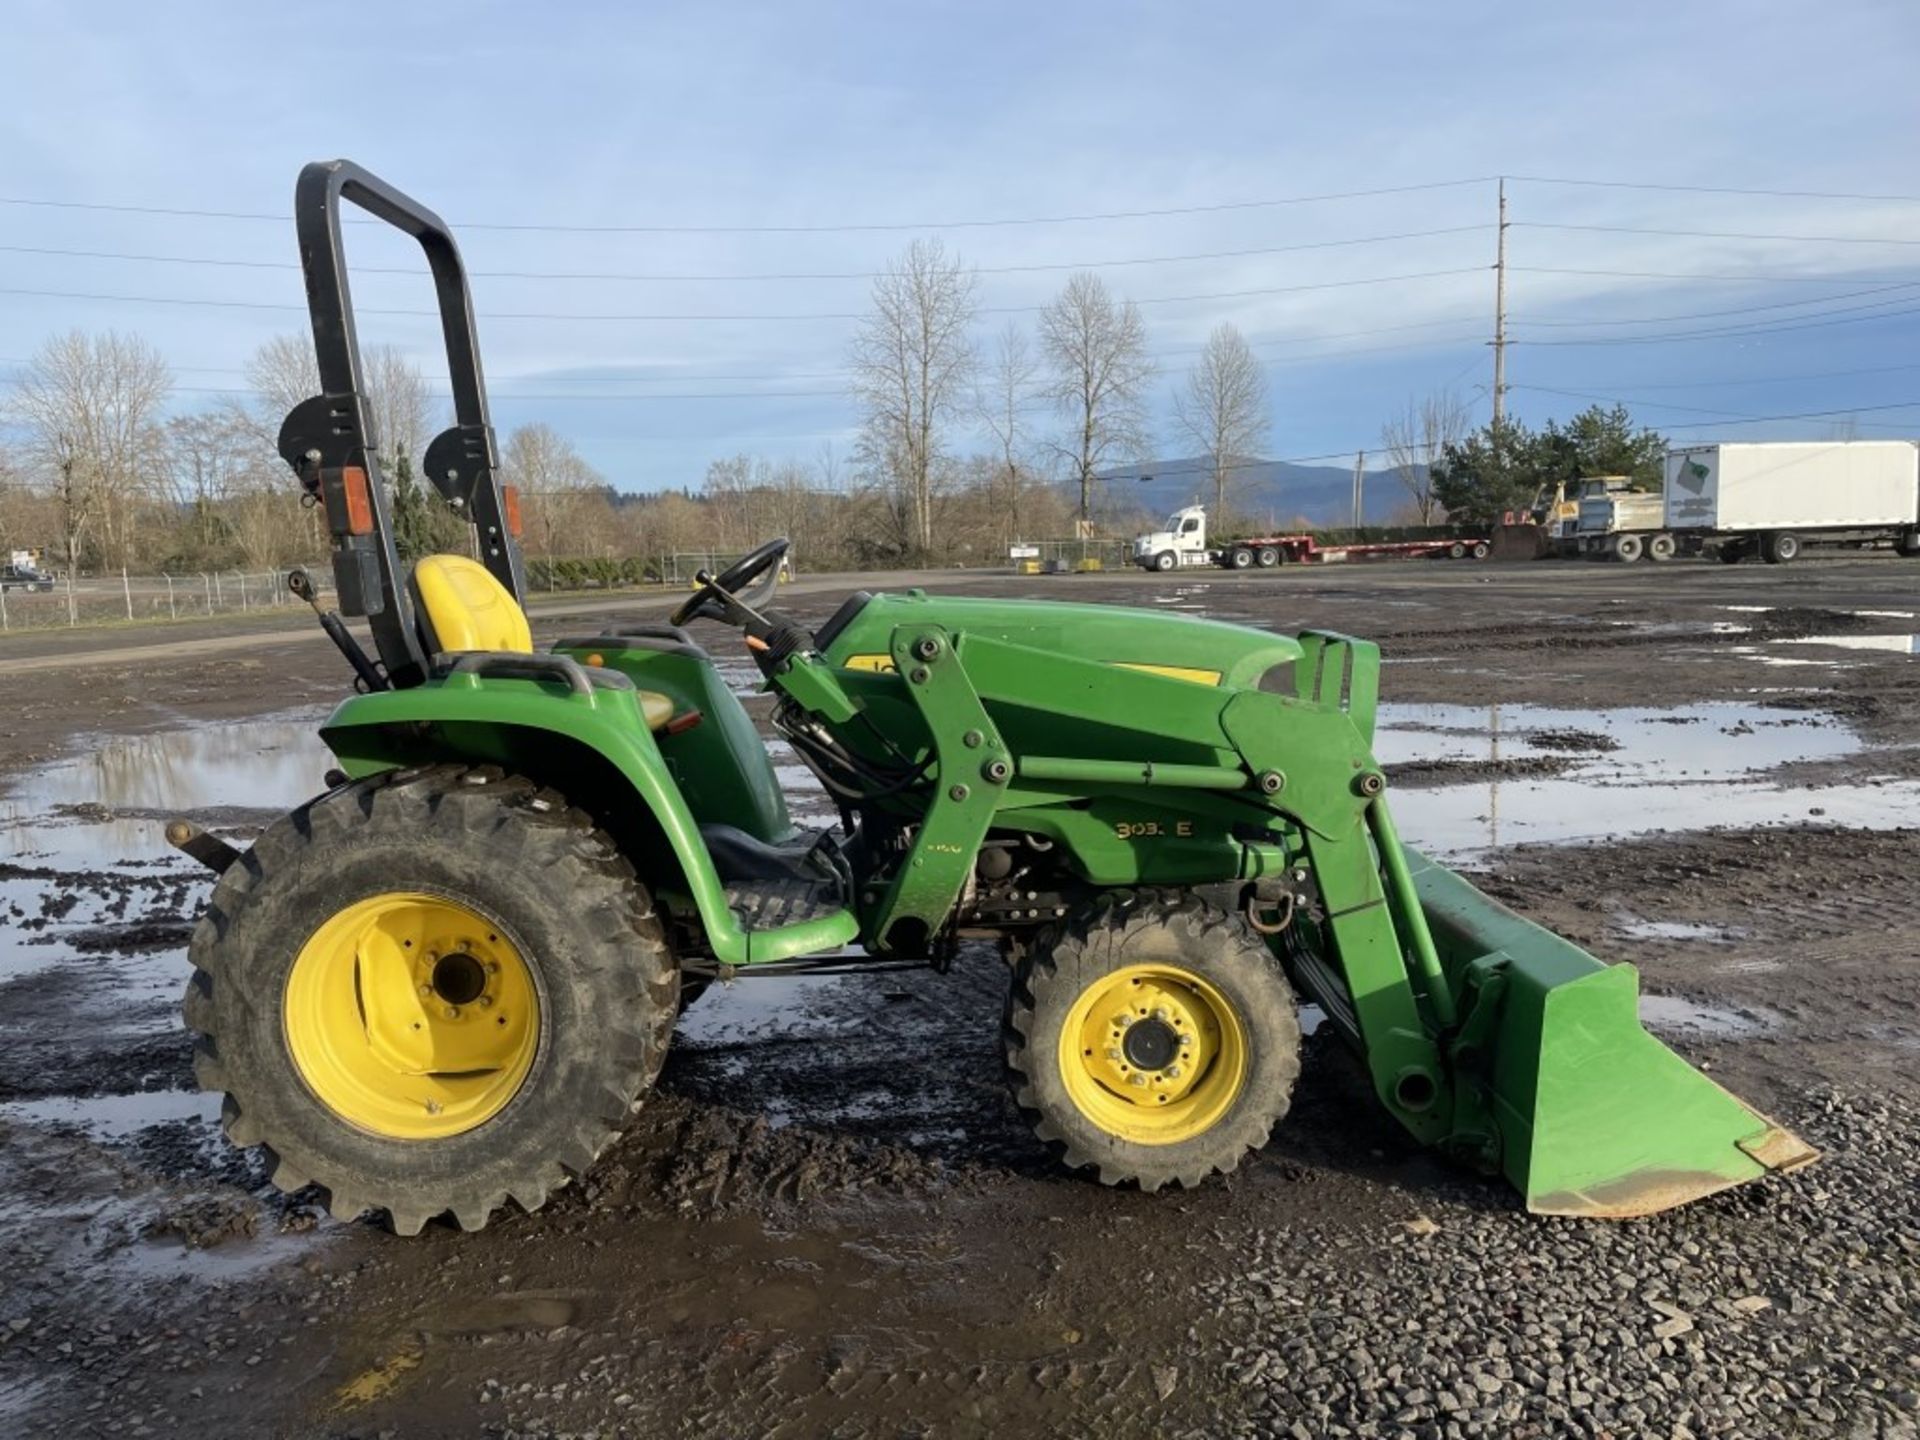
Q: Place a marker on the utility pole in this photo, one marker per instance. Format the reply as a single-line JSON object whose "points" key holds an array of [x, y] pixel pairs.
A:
{"points": [[1500, 312], [1359, 489]]}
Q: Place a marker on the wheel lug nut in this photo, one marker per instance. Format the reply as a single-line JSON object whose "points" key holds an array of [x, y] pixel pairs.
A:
{"points": [[433, 1107], [453, 1012], [426, 989], [1173, 1072], [1122, 1020], [1113, 1052], [486, 1002], [1136, 1079], [1160, 1013]]}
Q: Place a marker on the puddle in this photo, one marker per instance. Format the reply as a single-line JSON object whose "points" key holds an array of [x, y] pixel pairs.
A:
{"points": [[1690, 1017], [1895, 644], [1675, 930], [750, 1008], [1695, 767], [115, 1117]]}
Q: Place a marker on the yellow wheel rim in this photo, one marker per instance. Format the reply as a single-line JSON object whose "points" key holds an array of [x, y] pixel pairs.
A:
{"points": [[1153, 1054], [411, 1016]]}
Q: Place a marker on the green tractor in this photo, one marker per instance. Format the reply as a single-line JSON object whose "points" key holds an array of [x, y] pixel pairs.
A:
{"points": [[445, 983]]}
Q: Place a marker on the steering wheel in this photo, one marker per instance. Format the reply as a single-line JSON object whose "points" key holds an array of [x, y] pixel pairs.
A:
{"points": [[750, 581]]}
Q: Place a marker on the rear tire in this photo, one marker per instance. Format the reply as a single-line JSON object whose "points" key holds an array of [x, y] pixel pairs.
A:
{"points": [[1067, 1054], [1782, 548], [1268, 557], [1481, 550], [1662, 548], [562, 900], [1241, 558], [1627, 548]]}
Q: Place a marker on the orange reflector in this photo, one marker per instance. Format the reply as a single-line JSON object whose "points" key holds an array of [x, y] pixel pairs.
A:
{"points": [[510, 502], [596, 659], [359, 498], [682, 723], [754, 642]]}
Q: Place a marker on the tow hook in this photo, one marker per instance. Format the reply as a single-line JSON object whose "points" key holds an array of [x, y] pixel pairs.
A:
{"points": [[210, 850]]}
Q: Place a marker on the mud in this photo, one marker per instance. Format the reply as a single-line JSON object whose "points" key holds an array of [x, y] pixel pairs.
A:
{"points": [[830, 1220]]}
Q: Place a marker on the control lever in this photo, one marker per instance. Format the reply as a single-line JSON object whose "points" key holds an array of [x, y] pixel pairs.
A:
{"points": [[369, 675]]}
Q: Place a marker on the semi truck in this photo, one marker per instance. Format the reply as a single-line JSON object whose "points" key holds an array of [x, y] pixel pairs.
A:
{"points": [[1775, 499], [1772, 499], [1183, 544]]}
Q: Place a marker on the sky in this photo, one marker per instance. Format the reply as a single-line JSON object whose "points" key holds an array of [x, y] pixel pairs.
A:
{"points": [[624, 178]]}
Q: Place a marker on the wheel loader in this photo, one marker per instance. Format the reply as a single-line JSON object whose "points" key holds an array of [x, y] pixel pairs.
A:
{"points": [[444, 984]]}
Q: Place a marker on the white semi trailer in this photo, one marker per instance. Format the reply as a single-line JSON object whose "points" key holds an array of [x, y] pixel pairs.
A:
{"points": [[1776, 499]]}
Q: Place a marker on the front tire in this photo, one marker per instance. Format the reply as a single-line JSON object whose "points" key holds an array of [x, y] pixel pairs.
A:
{"points": [[1165, 560], [1152, 1040], [431, 991]]}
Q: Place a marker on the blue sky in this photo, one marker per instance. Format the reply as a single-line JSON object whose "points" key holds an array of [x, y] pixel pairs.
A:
{"points": [[811, 115]]}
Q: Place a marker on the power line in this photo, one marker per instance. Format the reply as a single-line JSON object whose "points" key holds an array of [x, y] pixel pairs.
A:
{"points": [[1740, 277], [1741, 310], [415, 270], [1730, 416], [494, 315], [1727, 333], [1762, 379], [1712, 189], [1721, 234], [842, 228]]}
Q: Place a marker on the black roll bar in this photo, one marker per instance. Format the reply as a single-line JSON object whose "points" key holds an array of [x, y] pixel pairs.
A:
{"points": [[329, 440]]}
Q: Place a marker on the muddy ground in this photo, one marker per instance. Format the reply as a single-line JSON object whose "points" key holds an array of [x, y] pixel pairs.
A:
{"points": [[830, 1221]]}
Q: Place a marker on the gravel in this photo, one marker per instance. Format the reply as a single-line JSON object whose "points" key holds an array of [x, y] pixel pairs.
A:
{"points": [[1788, 1307]]}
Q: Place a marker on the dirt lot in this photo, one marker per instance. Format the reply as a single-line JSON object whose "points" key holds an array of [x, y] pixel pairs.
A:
{"points": [[830, 1221]]}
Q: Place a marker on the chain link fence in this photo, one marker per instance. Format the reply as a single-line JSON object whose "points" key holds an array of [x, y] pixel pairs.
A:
{"points": [[107, 599]]}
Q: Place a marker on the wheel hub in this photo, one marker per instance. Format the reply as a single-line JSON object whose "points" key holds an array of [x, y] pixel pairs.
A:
{"points": [[1150, 1044], [411, 1016], [1153, 1054]]}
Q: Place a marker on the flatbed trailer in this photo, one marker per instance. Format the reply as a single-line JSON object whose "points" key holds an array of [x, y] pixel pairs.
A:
{"points": [[1307, 550], [1183, 544]]}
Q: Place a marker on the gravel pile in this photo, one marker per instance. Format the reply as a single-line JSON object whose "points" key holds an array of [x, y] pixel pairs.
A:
{"points": [[1789, 1307]]}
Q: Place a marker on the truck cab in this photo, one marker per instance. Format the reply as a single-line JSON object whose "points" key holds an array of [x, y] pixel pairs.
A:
{"points": [[1182, 542]]}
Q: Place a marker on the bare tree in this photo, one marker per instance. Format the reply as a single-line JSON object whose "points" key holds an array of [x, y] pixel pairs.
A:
{"points": [[554, 481], [1416, 440], [1224, 409], [911, 363], [89, 410], [402, 410], [1004, 401], [1096, 354]]}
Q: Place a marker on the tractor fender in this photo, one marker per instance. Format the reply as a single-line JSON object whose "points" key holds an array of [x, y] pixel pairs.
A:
{"points": [[592, 746]]}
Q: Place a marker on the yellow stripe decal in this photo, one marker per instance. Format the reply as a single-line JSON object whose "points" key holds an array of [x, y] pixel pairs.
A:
{"points": [[880, 664], [1173, 672]]}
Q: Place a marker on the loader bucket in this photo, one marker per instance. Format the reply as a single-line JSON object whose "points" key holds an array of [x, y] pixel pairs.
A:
{"points": [[1596, 1117]]}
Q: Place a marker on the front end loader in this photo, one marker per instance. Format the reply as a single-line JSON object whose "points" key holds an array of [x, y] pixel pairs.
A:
{"points": [[445, 983]]}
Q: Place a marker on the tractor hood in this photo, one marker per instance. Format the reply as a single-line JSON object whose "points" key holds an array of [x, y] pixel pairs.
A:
{"points": [[1207, 652], [1154, 543]]}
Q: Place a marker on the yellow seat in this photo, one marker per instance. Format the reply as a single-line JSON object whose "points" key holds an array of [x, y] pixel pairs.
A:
{"points": [[463, 608]]}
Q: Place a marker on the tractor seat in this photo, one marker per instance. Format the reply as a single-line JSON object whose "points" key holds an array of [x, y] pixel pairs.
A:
{"points": [[461, 608]]}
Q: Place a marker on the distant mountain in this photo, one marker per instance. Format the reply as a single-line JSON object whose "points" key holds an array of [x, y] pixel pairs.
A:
{"points": [[1272, 492]]}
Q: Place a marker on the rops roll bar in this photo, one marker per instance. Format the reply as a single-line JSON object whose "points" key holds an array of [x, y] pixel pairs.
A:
{"points": [[330, 442]]}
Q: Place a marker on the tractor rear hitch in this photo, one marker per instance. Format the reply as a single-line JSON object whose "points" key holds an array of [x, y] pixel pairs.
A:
{"points": [[210, 850]]}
